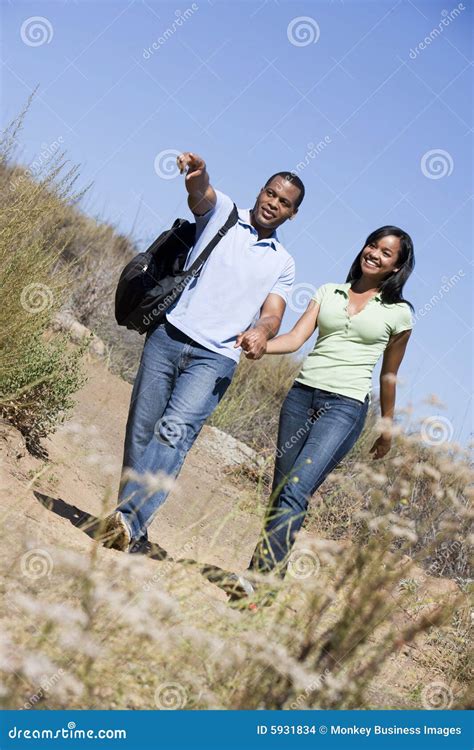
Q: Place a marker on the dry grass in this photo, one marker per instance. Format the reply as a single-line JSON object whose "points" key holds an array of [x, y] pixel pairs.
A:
{"points": [[70, 617], [38, 375], [349, 608]]}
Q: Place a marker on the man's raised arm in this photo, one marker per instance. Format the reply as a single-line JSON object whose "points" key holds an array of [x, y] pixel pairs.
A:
{"points": [[202, 196]]}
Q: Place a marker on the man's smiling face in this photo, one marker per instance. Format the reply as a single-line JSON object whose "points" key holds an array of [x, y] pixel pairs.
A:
{"points": [[276, 202]]}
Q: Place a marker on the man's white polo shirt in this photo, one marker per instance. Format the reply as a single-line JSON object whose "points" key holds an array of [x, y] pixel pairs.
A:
{"points": [[235, 281]]}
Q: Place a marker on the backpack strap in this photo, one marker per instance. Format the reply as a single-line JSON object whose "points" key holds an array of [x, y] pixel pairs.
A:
{"points": [[195, 267]]}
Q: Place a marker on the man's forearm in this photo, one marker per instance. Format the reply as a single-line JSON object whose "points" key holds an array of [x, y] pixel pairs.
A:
{"points": [[269, 324], [201, 201]]}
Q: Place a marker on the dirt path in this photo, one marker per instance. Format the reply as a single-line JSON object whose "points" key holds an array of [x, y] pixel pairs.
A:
{"points": [[202, 520]]}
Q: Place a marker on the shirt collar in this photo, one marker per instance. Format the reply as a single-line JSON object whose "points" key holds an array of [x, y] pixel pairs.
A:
{"points": [[244, 220], [344, 289]]}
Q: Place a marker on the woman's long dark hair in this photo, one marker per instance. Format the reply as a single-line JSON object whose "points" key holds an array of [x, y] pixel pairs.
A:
{"points": [[391, 288]]}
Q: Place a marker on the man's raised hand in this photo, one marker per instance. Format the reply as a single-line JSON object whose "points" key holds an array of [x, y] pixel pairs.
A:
{"points": [[192, 164], [202, 196]]}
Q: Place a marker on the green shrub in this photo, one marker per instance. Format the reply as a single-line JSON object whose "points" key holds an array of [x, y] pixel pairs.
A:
{"points": [[36, 396], [37, 377]]}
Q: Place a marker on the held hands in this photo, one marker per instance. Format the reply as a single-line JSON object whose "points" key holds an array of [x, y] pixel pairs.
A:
{"points": [[381, 446], [253, 342]]}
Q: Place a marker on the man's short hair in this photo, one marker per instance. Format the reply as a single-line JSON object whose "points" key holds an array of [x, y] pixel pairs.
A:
{"points": [[294, 179]]}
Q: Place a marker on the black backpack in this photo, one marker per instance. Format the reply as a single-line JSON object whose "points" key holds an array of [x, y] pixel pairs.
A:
{"points": [[152, 281]]}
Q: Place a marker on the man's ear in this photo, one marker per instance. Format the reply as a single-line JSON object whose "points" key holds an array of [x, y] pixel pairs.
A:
{"points": [[293, 215]]}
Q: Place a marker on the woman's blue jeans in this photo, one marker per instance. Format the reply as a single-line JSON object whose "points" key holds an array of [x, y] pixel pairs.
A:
{"points": [[317, 429]]}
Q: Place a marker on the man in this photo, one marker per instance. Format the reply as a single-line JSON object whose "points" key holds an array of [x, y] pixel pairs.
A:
{"points": [[237, 302]]}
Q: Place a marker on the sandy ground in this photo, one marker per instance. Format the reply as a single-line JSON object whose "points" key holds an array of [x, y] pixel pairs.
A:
{"points": [[207, 517]]}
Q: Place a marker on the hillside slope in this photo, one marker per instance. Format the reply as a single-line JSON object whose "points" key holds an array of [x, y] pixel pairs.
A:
{"points": [[208, 518]]}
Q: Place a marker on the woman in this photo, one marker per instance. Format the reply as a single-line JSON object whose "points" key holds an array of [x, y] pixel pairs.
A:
{"points": [[324, 412]]}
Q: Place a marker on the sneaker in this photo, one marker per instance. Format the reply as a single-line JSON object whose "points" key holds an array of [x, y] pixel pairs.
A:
{"points": [[116, 534], [238, 587], [141, 546], [252, 594]]}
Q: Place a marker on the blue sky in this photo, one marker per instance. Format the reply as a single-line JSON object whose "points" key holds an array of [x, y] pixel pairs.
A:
{"points": [[370, 102]]}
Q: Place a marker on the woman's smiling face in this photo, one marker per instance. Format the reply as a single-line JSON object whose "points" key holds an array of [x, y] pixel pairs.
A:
{"points": [[379, 258]]}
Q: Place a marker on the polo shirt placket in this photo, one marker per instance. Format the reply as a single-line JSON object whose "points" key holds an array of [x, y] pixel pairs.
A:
{"points": [[348, 324]]}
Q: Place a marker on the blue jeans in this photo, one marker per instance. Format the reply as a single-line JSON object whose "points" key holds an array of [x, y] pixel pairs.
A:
{"points": [[178, 385], [317, 429]]}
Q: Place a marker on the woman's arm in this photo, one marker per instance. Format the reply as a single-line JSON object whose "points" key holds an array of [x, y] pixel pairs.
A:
{"points": [[301, 332], [392, 360]]}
